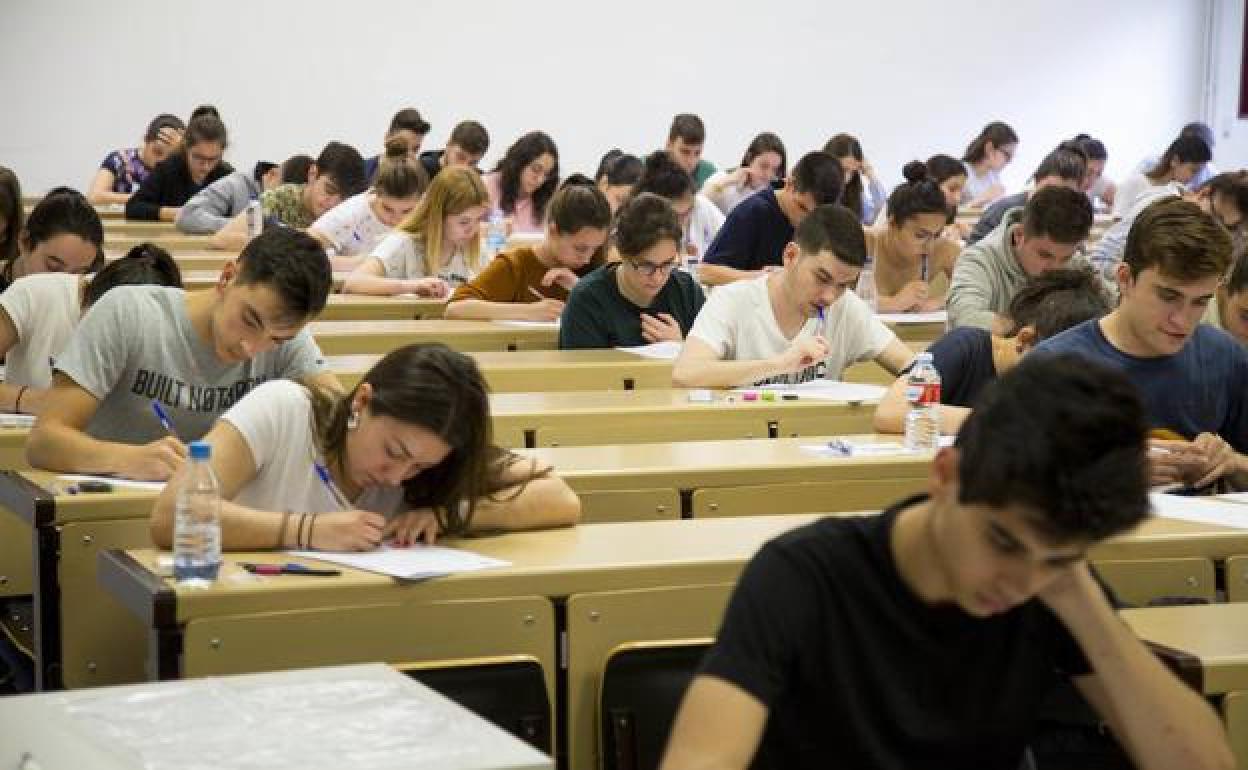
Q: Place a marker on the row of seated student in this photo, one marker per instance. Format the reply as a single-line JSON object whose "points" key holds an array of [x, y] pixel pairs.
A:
{"points": [[996, 538]]}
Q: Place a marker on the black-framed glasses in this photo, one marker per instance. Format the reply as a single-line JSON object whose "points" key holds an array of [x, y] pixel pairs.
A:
{"points": [[650, 270]]}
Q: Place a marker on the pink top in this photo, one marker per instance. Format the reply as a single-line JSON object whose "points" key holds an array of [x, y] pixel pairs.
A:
{"points": [[522, 219]]}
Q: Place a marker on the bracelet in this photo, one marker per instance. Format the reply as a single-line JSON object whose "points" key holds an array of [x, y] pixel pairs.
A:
{"points": [[281, 533], [311, 526], [17, 406], [303, 518]]}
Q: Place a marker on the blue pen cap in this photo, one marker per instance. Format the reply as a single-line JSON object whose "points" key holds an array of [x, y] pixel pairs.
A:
{"points": [[201, 450]]}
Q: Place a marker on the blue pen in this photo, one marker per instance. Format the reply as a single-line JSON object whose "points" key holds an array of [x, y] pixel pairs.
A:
{"points": [[323, 473], [821, 327], [165, 422]]}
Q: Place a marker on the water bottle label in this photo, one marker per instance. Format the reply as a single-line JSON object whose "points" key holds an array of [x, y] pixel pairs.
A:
{"points": [[924, 393]]}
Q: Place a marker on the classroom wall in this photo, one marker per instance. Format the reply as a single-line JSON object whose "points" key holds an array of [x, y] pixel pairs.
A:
{"points": [[910, 77], [1230, 131]]}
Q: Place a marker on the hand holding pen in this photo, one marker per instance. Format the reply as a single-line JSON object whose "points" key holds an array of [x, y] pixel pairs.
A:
{"points": [[155, 461]]}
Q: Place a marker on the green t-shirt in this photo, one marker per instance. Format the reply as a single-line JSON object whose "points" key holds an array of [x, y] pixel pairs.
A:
{"points": [[285, 203], [599, 316], [702, 172]]}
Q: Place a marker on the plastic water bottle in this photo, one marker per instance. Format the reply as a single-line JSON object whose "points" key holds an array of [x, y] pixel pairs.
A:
{"points": [[495, 234], [255, 219], [197, 520], [923, 393], [865, 288]]}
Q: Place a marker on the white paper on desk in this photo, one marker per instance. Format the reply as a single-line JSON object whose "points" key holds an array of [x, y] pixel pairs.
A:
{"points": [[1235, 497], [13, 420], [1203, 510], [667, 350], [933, 317], [154, 486], [415, 563], [827, 390], [861, 449], [530, 324]]}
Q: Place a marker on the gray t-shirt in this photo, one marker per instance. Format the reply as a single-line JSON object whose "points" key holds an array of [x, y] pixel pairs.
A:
{"points": [[136, 345]]}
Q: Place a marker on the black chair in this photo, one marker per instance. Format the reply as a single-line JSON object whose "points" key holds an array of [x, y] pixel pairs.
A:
{"points": [[641, 689]]}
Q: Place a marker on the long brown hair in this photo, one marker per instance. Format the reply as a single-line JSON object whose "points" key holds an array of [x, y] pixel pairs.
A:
{"points": [[443, 391]]}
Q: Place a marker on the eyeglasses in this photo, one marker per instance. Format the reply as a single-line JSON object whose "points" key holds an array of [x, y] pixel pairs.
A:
{"points": [[650, 270]]}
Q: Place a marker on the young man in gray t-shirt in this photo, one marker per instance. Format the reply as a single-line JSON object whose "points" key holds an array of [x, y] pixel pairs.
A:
{"points": [[193, 353]]}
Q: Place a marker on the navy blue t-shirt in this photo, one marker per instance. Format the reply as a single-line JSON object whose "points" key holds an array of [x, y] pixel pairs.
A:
{"points": [[753, 236], [1200, 389], [964, 359]]}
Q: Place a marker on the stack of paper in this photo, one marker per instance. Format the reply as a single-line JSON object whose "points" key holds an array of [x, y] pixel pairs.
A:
{"points": [[1202, 510]]}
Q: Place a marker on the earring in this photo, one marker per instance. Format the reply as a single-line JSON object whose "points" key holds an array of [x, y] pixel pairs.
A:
{"points": [[353, 421]]}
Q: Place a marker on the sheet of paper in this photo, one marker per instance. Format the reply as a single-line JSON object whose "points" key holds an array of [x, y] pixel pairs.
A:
{"points": [[1235, 497], [936, 316], [858, 449], [154, 486], [1203, 510], [415, 563], [11, 420], [827, 390], [531, 324], [667, 350]]}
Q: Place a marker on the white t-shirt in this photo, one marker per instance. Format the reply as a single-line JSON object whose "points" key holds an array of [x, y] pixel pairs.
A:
{"points": [[275, 419], [403, 257], [704, 221], [44, 309], [738, 323], [977, 185], [730, 194], [352, 226], [1130, 190]]}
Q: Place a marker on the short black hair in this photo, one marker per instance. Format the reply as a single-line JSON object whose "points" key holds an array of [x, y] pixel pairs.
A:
{"points": [[1093, 148], [819, 174], [146, 263], [1233, 186], [293, 264], [1067, 162], [295, 168], [261, 168], [832, 227], [663, 176], [688, 128], [1063, 437], [1056, 300], [919, 194], [471, 137], [618, 168], [343, 164], [408, 119], [1060, 213]]}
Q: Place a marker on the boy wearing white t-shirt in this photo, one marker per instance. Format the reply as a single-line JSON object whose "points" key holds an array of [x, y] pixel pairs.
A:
{"points": [[796, 324]]}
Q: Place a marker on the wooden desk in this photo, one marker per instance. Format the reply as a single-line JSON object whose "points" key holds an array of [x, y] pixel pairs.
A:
{"points": [[237, 722], [1207, 646], [207, 278], [171, 242], [339, 337], [134, 227], [188, 260]]}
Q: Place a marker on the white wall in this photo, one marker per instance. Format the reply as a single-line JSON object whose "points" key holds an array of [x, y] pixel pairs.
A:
{"points": [[909, 77], [1222, 110]]}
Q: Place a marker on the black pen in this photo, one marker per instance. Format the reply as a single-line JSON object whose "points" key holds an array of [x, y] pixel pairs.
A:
{"points": [[287, 569]]}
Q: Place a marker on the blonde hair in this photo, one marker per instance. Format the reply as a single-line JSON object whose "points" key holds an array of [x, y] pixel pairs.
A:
{"points": [[453, 191]]}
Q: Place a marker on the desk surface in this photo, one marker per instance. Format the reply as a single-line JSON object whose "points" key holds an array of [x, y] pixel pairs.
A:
{"points": [[339, 337], [556, 562], [114, 728], [1209, 642]]}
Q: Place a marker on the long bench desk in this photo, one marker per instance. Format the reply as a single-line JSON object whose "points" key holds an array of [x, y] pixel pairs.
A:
{"points": [[171, 242], [339, 337]]}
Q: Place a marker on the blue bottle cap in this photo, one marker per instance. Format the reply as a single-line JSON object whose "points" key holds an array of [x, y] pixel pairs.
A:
{"points": [[201, 450]]}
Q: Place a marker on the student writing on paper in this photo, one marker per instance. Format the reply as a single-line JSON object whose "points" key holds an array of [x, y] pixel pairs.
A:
{"points": [[408, 453], [531, 283], [63, 234], [868, 198], [699, 219], [198, 163], [644, 297], [1099, 188], [1042, 235], [929, 636], [195, 353], [907, 249], [524, 181], [968, 358], [754, 234], [1191, 376], [404, 137], [354, 227], [336, 175], [213, 207], [685, 139], [465, 147], [436, 249], [1066, 166], [1180, 163], [793, 325], [616, 176], [39, 312], [986, 157]]}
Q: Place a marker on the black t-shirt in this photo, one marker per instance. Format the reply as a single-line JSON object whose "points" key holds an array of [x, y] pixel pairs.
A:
{"points": [[599, 316], [431, 162], [169, 186], [964, 359], [753, 235], [857, 672]]}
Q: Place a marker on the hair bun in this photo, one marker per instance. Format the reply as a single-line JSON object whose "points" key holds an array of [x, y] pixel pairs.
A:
{"points": [[915, 171]]}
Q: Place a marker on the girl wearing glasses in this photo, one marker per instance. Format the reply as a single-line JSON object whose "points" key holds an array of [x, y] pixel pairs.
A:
{"points": [[178, 177], [986, 157], [908, 251], [641, 299]]}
